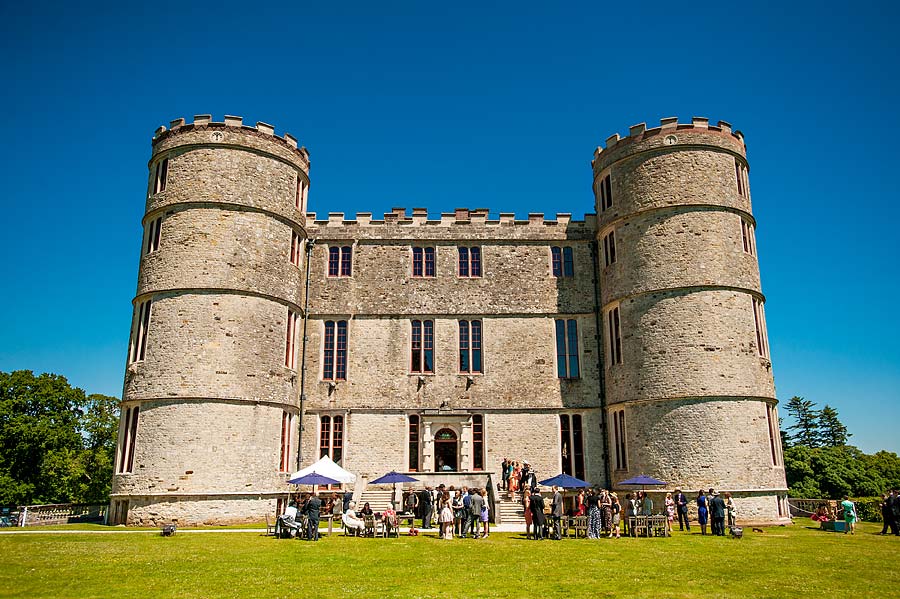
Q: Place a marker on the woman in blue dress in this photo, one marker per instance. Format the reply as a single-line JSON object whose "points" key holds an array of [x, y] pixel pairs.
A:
{"points": [[702, 511]]}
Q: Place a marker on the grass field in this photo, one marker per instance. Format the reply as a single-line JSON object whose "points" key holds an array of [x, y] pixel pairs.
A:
{"points": [[781, 562]]}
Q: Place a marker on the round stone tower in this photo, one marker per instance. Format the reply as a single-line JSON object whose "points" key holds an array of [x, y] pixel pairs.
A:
{"points": [[688, 381], [209, 409]]}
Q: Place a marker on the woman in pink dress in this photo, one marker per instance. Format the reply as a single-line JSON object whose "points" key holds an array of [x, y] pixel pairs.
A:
{"points": [[513, 484], [526, 503]]}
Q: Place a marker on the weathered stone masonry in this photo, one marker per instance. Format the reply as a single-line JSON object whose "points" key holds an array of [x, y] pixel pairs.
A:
{"points": [[218, 400]]}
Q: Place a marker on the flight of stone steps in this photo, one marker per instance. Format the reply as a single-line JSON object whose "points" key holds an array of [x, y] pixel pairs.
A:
{"points": [[378, 499], [510, 510]]}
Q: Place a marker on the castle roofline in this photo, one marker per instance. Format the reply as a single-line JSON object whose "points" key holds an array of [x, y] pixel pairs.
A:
{"points": [[460, 216], [668, 125], [234, 122]]}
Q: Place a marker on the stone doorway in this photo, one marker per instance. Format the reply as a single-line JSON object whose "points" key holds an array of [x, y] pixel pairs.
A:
{"points": [[446, 451]]}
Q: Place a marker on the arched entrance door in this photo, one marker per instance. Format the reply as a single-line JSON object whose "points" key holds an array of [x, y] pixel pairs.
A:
{"points": [[445, 451]]}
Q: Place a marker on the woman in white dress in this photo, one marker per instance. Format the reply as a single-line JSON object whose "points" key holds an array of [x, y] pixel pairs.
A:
{"points": [[350, 520], [446, 516]]}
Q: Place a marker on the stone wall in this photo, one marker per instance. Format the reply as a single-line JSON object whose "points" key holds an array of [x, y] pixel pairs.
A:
{"points": [[213, 385], [233, 447], [691, 381], [213, 248]]}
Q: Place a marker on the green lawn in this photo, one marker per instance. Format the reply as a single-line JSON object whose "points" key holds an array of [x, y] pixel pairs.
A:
{"points": [[781, 562]]}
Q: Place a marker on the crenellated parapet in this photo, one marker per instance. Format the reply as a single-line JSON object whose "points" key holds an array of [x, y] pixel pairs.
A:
{"points": [[473, 223], [231, 131], [699, 132]]}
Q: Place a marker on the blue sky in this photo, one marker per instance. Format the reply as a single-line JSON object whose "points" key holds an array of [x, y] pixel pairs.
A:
{"points": [[478, 105]]}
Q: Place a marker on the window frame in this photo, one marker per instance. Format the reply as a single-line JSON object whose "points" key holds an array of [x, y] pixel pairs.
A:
{"points": [[137, 350], [290, 347], [469, 258], [423, 257], [748, 237], [568, 348], [604, 192], [154, 235], [161, 176], [339, 261], [609, 249], [335, 349], [467, 340], [478, 442], [762, 335], [614, 336], [420, 347]]}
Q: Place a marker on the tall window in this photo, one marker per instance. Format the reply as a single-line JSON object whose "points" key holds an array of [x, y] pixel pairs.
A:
{"points": [[335, 357], [609, 248], [162, 174], [563, 261], [774, 433], [287, 429], [571, 445], [300, 201], [614, 328], [331, 438], [743, 181], [296, 245], [141, 328], [567, 348], [423, 262], [154, 230], [469, 262], [129, 433], [290, 356], [340, 261], [413, 443], [422, 346], [470, 346], [477, 442], [759, 318], [618, 418], [747, 237], [605, 192]]}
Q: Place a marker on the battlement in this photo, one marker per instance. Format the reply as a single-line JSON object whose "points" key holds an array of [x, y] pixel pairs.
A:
{"points": [[234, 122], [667, 125], [460, 216]]}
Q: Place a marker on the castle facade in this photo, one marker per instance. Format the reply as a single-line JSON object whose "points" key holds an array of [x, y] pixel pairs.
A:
{"points": [[265, 337]]}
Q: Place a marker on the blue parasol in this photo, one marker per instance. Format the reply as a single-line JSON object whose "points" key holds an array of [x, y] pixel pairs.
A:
{"points": [[393, 477], [565, 481], [313, 478], [642, 480]]}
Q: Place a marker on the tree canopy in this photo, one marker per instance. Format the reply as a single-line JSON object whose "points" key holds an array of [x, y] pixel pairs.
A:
{"points": [[57, 444], [818, 462]]}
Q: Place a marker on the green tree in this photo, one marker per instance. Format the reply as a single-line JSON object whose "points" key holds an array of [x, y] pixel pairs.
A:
{"points": [[832, 432], [805, 430], [56, 444]]}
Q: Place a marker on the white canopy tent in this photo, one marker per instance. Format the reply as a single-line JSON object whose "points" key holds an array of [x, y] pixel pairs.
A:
{"points": [[327, 468]]}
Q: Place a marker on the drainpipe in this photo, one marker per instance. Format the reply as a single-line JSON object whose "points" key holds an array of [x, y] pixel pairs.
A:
{"points": [[598, 316], [309, 247]]}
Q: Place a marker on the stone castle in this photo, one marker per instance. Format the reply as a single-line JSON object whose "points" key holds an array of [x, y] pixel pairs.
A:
{"points": [[265, 337]]}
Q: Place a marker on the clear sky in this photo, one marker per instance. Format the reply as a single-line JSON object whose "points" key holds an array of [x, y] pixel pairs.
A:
{"points": [[461, 104]]}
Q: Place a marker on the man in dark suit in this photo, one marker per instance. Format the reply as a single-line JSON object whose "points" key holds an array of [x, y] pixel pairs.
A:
{"points": [[348, 497], [476, 502], [426, 506], [556, 511], [895, 511], [681, 505], [311, 509], [537, 514], [717, 514]]}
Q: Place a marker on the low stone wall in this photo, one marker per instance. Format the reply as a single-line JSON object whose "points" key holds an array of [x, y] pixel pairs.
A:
{"points": [[200, 510]]}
